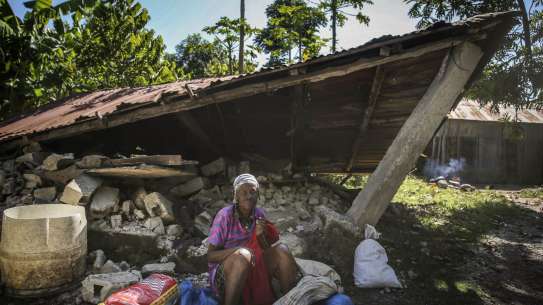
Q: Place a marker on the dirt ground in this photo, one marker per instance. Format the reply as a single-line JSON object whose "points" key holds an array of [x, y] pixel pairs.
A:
{"points": [[448, 247], [501, 264]]}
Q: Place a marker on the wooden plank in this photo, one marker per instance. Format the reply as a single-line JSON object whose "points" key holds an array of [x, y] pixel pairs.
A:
{"points": [[166, 160], [376, 85], [176, 103], [446, 88], [141, 171], [299, 122], [188, 120]]}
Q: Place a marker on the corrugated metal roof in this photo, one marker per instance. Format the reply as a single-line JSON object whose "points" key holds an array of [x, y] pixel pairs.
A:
{"points": [[101, 103], [472, 110]]}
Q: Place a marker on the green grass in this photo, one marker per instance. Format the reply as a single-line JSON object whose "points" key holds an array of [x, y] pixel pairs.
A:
{"points": [[532, 193]]}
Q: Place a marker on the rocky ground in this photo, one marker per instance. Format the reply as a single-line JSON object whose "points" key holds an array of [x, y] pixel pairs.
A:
{"points": [[446, 245]]}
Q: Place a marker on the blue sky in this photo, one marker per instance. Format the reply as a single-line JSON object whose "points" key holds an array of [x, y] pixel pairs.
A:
{"points": [[175, 19]]}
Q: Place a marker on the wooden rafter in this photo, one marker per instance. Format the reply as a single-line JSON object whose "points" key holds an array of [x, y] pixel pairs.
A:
{"points": [[196, 129], [299, 123], [373, 96]]}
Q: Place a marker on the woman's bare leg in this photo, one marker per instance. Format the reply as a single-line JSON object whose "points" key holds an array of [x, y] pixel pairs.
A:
{"points": [[282, 266], [236, 270]]}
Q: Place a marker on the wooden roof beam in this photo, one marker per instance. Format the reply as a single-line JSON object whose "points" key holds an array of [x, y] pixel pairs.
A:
{"points": [[377, 83], [188, 120]]}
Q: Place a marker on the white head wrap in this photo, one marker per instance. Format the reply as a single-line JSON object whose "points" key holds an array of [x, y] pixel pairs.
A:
{"points": [[243, 179]]}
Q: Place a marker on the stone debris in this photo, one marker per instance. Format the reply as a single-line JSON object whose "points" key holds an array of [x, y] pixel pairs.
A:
{"points": [[189, 187], [97, 287], [91, 161], [109, 267], [45, 194], [127, 207], [203, 222], [104, 201], [55, 162], [166, 268], [155, 224], [214, 168], [99, 261], [131, 220], [174, 230], [158, 205], [116, 221], [138, 197], [80, 190]]}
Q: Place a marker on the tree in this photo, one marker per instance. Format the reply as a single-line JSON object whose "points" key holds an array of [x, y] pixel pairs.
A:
{"points": [[106, 45], [514, 76], [338, 14], [201, 58], [241, 36], [292, 24], [228, 32]]}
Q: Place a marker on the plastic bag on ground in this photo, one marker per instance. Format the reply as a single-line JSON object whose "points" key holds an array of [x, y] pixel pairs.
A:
{"points": [[371, 269], [196, 296]]}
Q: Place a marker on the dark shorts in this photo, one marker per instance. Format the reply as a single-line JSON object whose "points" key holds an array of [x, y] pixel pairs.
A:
{"points": [[219, 281]]}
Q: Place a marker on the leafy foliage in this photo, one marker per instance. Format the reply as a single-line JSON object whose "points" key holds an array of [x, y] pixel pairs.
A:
{"points": [[292, 24], [338, 14], [227, 33], [106, 45], [515, 74]]}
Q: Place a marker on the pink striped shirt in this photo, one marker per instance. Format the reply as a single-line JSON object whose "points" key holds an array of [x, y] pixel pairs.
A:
{"points": [[227, 232]]}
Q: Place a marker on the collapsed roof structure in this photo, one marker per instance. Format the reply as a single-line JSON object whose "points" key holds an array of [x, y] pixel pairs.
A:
{"points": [[337, 113]]}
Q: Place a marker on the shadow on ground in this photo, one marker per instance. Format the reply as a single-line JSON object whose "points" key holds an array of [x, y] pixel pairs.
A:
{"points": [[488, 254]]}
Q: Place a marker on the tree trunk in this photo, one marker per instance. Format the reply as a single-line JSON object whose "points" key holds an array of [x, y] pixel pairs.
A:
{"points": [[334, 25], [526, 29], [241, 36], [300, 55]]}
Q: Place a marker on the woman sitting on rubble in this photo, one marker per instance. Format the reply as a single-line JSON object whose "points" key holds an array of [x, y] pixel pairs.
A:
{"points": [[230, 260]]}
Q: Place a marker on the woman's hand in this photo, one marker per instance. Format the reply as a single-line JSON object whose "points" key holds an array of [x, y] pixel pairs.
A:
{"points": [[261, 233]]}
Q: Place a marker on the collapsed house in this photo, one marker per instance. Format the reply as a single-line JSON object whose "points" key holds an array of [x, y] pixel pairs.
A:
{"points": [[500, 146], [373, 108]]}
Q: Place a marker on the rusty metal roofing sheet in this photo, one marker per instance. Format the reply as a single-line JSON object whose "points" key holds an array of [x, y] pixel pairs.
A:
{"points": [[471, 110], [101, 103]]}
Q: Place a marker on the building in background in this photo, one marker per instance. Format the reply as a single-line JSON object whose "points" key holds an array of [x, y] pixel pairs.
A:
{"points": [[489, 147]]}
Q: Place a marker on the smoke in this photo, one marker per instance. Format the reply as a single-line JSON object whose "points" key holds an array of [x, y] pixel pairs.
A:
{"points": [[433, 168]]}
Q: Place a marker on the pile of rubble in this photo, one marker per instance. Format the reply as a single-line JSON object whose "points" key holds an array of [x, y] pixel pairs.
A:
{"points": [[157, 209], [454, 183]]}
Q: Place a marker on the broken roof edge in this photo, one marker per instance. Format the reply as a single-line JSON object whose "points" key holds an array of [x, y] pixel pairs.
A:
{"points": [[213, 92]]}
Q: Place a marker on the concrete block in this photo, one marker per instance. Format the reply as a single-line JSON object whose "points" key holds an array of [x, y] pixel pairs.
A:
{"points": [[155, 224], [80, 190], [99, 261], [55, 162], [167, 268], [116, 221], [33, 178], [158, 205], [97, 287], [127, 207], [202, 222], [189, 187], [91, 161], [104, 201], [214, 168], [174, 230], [45, 194], [109, 267], [138, 196], [139, 214]]}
